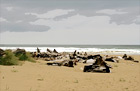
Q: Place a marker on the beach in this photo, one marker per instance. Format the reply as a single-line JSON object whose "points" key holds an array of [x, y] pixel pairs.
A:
{"points": [[69, 45], [124, 76]]}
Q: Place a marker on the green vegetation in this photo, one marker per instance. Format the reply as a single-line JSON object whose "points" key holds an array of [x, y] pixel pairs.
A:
{"points": [[7, 88], [9, 58], [126, 88], [76, 81], [24, 56], [29, 57], [122, 80], [40, 79], [21, 56], [31, 89], [14, 70]]}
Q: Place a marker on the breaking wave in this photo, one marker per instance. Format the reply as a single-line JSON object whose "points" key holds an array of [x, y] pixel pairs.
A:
{"points": [[72, 49]]}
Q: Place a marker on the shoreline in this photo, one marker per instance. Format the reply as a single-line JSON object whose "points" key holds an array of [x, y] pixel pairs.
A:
{"points": [[72, 49]]}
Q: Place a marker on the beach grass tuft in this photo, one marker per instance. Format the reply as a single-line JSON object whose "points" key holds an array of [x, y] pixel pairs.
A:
{"points": [[14, 70], [76, 81], [30, 57], [7, 88], [25, 57], [8, 59], [122, 80], [40, 79]]}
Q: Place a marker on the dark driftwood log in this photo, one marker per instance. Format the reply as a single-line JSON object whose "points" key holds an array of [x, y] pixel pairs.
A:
{"points": [[98, 66], [55, 51], [1, 52], [49, 50]]}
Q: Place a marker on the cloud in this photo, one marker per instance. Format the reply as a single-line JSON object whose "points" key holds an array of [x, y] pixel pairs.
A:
{"points": [[111, 11], [19, 21], [76, 29], [19, 26], [29, 11], [114, 34], [78, 22], [79, 29], [99, 21], [3, 19], [137, 20], [9, 8], [51, 14]]}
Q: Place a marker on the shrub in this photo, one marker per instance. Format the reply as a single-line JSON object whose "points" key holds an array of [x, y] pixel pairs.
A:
{"points": [[29, 57], [25, 56], [9, 58], [21, 54]]}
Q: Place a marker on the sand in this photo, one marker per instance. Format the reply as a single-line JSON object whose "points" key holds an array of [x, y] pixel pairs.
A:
{"points": [[125, 76]]}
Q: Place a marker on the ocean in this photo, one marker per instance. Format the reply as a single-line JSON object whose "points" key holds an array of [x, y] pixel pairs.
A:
{"points": [[115, 49]]}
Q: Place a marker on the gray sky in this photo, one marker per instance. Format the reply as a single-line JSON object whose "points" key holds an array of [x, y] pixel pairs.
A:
{"points": [[70, 22]]}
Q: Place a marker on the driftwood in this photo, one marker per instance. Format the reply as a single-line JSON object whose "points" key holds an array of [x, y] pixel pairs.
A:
{"points": [[2, 52], [19, 51], [63, 63], [55, 51], [48, 50], [125, 57], [98, 66], [112, 59], [38, 50]]}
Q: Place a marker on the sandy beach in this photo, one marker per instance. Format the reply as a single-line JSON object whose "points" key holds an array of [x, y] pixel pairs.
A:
{"points": [[124, 76], [69, 45]]}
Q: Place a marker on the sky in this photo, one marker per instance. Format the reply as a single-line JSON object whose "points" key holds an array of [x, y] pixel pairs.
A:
{"points": [[88, 22]]}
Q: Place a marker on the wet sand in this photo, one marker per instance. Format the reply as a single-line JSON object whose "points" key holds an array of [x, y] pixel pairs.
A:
{"points": [[125, 76]]}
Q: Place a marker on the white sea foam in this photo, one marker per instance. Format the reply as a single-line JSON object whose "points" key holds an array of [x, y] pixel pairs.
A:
{"points": [[72, 49]]}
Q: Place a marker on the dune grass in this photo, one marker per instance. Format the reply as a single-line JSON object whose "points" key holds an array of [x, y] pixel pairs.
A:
{"points": [[25, 56], [11, 58], [29, 57], [14, 70]]}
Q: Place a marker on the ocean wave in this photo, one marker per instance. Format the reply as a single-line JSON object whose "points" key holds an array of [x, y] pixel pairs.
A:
{"points": [[72, 49]]}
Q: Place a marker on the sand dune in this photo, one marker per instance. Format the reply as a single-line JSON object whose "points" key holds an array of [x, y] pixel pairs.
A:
{"points": [[125, 76]]}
